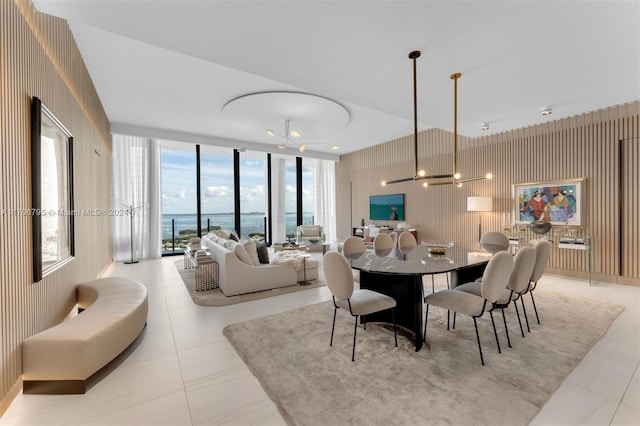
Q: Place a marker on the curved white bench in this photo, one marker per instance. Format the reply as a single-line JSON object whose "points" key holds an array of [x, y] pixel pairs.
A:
{"points": [[62, 358]]}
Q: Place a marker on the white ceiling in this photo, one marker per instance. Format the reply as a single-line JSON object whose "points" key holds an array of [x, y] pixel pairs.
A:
{"points": [[167, 68]]}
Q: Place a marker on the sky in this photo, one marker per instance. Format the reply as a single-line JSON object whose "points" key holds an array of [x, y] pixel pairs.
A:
{"points": [[216, 171]]}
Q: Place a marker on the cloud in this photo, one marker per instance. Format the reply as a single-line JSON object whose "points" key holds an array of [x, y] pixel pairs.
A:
{"points": [[180, 194], [218, 191]]}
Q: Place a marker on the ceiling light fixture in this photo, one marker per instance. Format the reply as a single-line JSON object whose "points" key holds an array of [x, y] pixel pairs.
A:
{"points": [[547, 111], [442, 179], [484, 126], [288, 138]]}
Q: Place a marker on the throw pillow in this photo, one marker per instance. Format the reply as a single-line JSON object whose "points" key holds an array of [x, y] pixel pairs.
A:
{"points": [[250, 247], [242, 254], [233, 237], [263, 253]]}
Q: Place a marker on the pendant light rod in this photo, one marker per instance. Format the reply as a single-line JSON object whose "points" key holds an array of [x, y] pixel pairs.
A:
{"points": [[455, 78], [413, 56]]}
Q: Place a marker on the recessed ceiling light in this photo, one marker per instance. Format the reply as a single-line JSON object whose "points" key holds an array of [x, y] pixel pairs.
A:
{"points": [[484, 126], [547, 111]]}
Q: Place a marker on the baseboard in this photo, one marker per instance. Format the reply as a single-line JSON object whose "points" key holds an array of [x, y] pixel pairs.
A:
{"points": [[54, 387]]}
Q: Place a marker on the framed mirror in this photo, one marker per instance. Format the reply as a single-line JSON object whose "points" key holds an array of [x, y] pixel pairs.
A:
{"points": [[52, 191]]}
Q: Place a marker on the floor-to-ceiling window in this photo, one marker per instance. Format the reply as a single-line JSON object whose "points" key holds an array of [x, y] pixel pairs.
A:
{"points": [[215, 200], [216, 188], [179, 224], [290, 198], [308, 192], [252, 195]]}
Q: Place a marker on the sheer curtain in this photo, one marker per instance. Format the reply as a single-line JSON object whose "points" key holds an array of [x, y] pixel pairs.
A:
{"points": [[324, 204], [278, 197], [137, 183]]}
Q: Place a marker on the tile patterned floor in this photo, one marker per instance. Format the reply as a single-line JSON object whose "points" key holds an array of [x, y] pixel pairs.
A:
{"points": [[184, 372]]}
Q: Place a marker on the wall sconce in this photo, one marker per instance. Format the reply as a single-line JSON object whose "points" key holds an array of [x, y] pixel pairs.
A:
{"points": [[479, 204]]}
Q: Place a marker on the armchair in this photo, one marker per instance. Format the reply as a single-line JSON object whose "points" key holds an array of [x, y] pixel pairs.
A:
{"points": [[310, 234]]}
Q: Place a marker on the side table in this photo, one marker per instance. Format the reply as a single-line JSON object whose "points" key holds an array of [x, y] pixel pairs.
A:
{"points": [[207, 271], [304, 269]]}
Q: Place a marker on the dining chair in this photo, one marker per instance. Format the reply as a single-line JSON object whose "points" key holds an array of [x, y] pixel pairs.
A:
{"points": [[354, 247], [494, 282], [523, 263], [494, 242], [337, 273], [543, 251], [406, 239], [382, 244], [394, 237]]}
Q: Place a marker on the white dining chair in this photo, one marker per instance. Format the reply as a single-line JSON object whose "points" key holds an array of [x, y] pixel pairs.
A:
{"points": [[543, 251], [523, 263], [354, 247], [494, 282], [358, 303], [382, 244], [406, 240]]}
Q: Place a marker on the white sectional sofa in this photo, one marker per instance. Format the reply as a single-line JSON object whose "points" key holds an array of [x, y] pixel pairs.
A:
{"points": [[241, 272]]}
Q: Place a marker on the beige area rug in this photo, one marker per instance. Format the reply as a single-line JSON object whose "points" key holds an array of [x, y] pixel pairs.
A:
{"points": [[443, 384], [216, 297]]}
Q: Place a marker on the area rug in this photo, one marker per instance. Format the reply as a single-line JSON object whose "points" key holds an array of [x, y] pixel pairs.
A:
{"points": [[312, 383], [216, 297]]}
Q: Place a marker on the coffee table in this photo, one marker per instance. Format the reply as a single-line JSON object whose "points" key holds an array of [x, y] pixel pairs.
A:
{"points": [[319, 246]]}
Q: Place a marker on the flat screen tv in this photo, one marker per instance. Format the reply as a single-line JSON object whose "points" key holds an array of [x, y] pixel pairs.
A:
{"points": [[386, 207]]}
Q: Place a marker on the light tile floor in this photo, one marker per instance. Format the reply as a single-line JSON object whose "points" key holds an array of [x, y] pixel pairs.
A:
{"points": [[182, 370]]}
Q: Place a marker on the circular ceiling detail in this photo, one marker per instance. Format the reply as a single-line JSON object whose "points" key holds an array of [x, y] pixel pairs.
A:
{"points": [[312, 115]]}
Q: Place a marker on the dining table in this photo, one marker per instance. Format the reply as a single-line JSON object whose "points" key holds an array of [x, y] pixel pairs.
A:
{"points": [[398, 273]]}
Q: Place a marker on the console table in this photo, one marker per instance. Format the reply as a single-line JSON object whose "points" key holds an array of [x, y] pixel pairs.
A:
{"points": [[583, 244], [359, 231]]}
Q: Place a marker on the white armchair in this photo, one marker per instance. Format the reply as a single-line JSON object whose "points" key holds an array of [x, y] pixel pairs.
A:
{"points": [[312, 234]]}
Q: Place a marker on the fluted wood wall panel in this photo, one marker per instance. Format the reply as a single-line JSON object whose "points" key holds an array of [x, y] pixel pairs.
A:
{"points": [[585, 146], [38, 57]]}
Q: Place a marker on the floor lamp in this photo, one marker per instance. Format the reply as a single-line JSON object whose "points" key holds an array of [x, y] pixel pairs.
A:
{"points": [[479, 204], [131, 211]]}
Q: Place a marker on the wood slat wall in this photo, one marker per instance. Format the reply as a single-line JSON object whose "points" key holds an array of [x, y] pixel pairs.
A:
{"points": [[39, 57], [587, 145]]}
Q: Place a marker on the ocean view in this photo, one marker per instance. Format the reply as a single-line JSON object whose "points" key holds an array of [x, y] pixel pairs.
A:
{"points": [[250, 222]]}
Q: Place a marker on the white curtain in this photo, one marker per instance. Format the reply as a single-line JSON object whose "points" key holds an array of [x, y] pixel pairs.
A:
{"points": [[324, 203], [137, 184], [278, 197]]}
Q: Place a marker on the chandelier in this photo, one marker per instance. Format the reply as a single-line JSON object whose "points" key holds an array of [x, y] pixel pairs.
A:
{"points": [[290, 138], [453, 178]]}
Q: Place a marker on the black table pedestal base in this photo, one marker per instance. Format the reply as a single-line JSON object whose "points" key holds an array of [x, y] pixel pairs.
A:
{"points": [[407, 291]]}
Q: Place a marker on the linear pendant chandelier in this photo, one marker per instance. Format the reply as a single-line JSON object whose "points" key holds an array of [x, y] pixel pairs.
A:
{"points": [[454, 178]]}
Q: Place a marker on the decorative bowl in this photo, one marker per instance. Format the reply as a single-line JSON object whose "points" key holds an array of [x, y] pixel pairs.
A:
{"points": [[314, 240], [437, 247], [539, 227]]}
